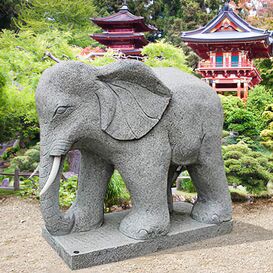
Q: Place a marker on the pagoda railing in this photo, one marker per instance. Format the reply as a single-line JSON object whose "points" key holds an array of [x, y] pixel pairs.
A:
{"points": [[204, 65]]}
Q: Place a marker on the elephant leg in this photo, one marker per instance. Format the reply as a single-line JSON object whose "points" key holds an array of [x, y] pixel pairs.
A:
{"points": [[172, 176], [146, 180], [94, 176], [213, 204]]}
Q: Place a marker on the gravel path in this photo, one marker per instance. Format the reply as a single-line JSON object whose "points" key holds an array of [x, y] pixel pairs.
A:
{"points": [[248, 249]]}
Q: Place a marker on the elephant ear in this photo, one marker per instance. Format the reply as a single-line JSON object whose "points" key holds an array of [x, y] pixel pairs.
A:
{"points": [[132, 100]]}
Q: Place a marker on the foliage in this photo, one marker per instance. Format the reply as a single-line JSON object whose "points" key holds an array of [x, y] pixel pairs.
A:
{"points": [[187, 186], [165, 55], [229, 104], [62, 15], [8, 10], [30, 188], [246, 120], [264, 18], [267, 134], [106, 59], [242, 121], [10, 151], [29, 161], [116, 193], [257, 101], [22, 62], [265, 67], [248, 168], [68, 191]]}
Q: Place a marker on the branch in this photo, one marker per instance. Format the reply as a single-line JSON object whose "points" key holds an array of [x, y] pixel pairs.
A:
{"points": [[48, 54]]}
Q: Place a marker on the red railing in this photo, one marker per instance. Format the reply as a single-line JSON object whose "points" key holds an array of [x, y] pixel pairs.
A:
{"points": [[204, 64]]}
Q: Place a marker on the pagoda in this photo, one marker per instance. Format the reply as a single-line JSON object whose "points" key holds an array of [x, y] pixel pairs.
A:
{"points": [[227, 46], [123, 31]]}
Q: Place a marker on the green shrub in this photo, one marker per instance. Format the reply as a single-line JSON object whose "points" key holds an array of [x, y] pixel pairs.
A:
{"points": [[165, 55], [9, 152], [242, 121], [33, 154], [248, 168], [267, 133], [187, 185], [27, 162], [116, 193], [229, 104], [68, 190]]}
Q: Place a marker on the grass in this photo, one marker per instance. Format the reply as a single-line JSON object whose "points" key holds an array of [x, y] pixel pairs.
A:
{"points": [[4, 193]]}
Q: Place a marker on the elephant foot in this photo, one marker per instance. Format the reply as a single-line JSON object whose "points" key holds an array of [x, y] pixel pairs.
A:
{"points": [[62, 225], [211, 212], [85, 220], [143, 225]]}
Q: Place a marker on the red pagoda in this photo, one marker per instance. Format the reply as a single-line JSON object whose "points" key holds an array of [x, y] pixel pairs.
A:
{"points": [[227, 46], [123, 31]]}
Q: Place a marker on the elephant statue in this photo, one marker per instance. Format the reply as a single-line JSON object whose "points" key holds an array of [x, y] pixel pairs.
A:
{"points": [[147, 124]]}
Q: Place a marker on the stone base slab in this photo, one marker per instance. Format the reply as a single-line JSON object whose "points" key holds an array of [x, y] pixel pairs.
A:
{"points": [[107, 244]]}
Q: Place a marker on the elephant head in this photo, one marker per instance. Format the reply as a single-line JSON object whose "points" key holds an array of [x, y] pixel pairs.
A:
{"points": [[79, 104]]}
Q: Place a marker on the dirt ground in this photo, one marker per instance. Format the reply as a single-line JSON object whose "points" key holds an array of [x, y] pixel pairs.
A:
{"points": [[248, 249]]}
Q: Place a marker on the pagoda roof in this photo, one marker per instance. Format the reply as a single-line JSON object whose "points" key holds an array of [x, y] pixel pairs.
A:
{"points": [[107, 38], [227, 28], [123, 17]]}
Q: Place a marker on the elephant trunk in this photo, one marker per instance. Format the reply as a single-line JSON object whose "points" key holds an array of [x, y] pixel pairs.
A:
{"points": [[56, 222]]}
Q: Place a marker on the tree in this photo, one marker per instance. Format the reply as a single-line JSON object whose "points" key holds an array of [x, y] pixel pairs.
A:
{"points": [[165, 55], [245, 167], [265, 67], [47, 16], [243, 122], [8, 10], [257, 101], [267, 134], [230, 104], [22, 62]]}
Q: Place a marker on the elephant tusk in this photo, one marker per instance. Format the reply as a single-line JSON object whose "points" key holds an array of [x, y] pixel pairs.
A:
{"points": [[52, 175]]}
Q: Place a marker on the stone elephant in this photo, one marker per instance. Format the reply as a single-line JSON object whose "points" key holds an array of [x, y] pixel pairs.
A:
{"points": [[146, 123]]}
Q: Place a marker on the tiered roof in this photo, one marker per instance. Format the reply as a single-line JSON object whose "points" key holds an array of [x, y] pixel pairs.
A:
{"points": [[230, 30], [123, 17], [123, 31]]}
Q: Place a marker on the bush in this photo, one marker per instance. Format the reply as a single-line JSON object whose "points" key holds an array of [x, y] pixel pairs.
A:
{"points": [[230, 103], [116, 193], [259, 98], [187, 185], [243, 122], [267, 134], [165, 55], [27, 162], [248, 168], [68, 191]]}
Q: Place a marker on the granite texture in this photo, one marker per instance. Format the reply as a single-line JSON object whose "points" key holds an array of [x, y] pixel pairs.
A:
{"points": [[105, 245], [146, 123]]}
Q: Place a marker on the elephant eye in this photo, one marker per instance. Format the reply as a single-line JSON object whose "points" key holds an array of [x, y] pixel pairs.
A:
{"points": [[61, 110]]}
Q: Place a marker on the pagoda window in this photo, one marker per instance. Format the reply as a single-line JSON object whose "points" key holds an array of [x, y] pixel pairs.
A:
{"points": [[235, 60], [219, 61]]}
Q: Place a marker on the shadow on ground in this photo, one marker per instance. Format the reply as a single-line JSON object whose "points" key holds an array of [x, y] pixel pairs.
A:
{"points": [[242, 233]]}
